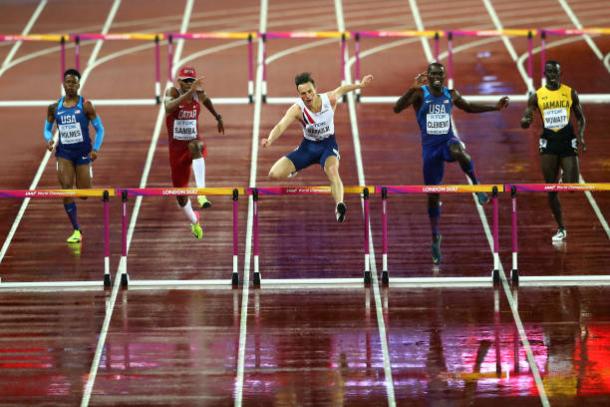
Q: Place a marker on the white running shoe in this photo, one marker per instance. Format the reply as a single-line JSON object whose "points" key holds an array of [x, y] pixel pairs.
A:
{"points": [[560, 236]]}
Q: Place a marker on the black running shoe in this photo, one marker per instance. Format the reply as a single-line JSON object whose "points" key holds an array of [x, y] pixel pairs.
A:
{"points": [[340, 211]]}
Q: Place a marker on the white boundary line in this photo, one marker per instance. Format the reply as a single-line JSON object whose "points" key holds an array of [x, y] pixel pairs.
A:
{"points": [[243, 321], [578, 25], [122, 263], [507, 290], [26, 31], [383, 336]]}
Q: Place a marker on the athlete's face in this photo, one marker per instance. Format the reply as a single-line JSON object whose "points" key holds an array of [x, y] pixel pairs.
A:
{"points": [[185, 84], [307, 92], [436, 77], [71, 85], [552, 73]]}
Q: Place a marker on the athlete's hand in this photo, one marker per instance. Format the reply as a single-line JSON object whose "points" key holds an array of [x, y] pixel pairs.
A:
{"points": [[198, 84], [265, 142], [366, 79], [220, 125], [502, 103], [93, 155], [51, 145], [580, 142], [421, 79]]}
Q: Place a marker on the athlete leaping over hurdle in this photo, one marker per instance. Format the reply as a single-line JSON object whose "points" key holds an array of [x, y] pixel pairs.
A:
{"points": [[316, 113]]}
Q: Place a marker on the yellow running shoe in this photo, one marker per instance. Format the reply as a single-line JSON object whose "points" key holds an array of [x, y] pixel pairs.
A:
{"points": [[75, 237], [203, 201], [196, 228]]}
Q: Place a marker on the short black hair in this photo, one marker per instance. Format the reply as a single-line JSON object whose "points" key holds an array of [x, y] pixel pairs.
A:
{"points": [[552, 62], [435, 64], [303, 78], [72, 72]]}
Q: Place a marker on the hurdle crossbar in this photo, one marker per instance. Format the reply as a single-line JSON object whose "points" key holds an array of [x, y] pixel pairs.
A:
{"points": [[105, 194], [365, 191], [215, 35], [219, 191], [386, 190], [515, 277], [343, 36], [156, 37]]}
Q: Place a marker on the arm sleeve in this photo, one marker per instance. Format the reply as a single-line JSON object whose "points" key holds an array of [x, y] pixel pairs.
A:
{"points": [[99, 133], [48, 127]]}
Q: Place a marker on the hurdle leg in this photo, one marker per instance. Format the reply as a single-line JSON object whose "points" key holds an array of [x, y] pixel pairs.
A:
{"points": [[367, 260], [495, 275], [107, 280], [235, 275], [514, 272], [124, 275], [257, 275], [385, 277]]}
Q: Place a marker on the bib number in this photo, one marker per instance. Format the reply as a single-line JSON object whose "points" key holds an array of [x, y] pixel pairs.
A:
{"points": [[70, 133], [185, 129], [555, 119], [438, 123]]}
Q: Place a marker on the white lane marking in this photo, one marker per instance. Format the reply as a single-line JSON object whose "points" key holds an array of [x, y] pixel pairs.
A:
{"points": [[26, 31], [243, 321], [526, 345], [121, 269], [383, 336]]}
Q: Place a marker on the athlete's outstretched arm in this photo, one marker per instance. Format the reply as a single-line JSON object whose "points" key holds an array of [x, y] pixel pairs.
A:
{"points": [[207, 102], [338, 93], [472, 107], [528, 114], [48, 126], [580, 118], [413, 94], [292, 114]]}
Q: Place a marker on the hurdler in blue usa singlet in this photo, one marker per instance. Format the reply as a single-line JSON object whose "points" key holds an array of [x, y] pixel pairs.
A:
{"points": [[73, 126], [434, 118]]}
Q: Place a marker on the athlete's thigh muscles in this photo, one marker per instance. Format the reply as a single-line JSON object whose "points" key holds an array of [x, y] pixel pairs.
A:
{"points": [[83, 176], [65, 172], [550, 167], [570, 169]]}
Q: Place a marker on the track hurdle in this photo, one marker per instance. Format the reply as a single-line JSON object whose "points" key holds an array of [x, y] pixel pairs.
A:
{"points": [[135, 192], [249, 36], [343, 36], [561, 32], [515, 277], [358, 35], [365, 191], [105, 194], [60, 38], [77, 38], [387, 190], [492, 33]]}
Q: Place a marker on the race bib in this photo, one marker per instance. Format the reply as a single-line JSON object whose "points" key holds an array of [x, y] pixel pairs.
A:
{"points": [[70, 133], [438, 123], [555, 119], [185, 129]]}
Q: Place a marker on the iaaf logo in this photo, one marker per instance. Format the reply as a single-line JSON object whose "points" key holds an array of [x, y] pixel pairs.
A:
{"points": [[566, 188], [30, 194]]}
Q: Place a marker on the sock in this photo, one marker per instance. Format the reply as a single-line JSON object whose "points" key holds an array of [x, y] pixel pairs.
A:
{"points": [[199, 172], [71, 211], [469, 170], [435, 215], [190, 214]]}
